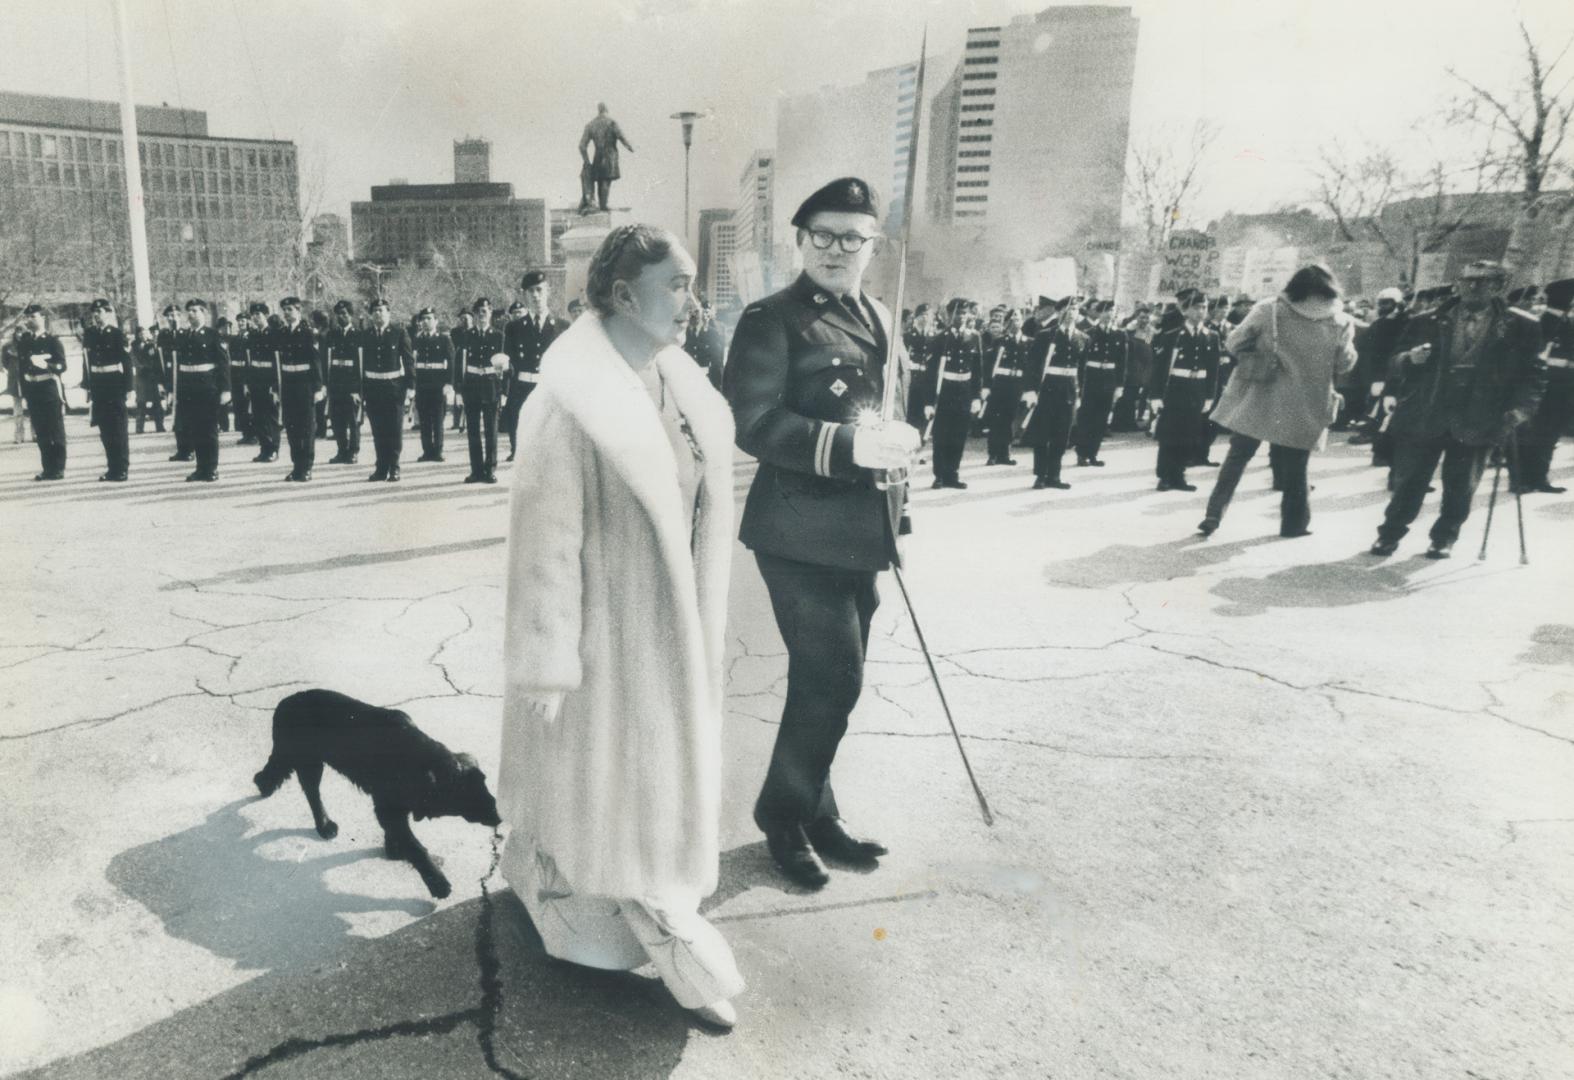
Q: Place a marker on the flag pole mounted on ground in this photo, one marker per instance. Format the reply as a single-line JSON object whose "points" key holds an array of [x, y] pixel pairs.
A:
{"points": [[888, 406]]}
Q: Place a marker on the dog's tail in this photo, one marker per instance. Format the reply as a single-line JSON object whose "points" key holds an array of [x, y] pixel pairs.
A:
{"points": [[273, 774]]}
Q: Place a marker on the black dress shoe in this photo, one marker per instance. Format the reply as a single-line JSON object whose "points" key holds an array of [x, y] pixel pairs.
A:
{"points": [[1096, 463], [354, 459], [247, 440], [379, 475], [473, 478], [510, 456], [1059, 485], [105, 476], [436, 457], [1295, 534], [180, 457], [1550, 489], [1039, 482], [393, 474], [190, 477], [1208, 526], [1206, 464], [1165, 485], [306, 474], [1008, 461], [489, 477], [292, 476], [937, 485], [790, 850], [1082, 462], [338, 459], [960, 485], [118, 477], [830, 838], [1183, 486], [1383, 547], [1440, 551]]}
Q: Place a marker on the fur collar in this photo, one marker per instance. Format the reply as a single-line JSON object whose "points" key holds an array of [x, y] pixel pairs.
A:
{"points": [[588, 378]]}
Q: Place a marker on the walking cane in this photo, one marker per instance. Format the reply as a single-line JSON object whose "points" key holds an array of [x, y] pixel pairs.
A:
{"points": [[1497, 475], [1518, 476]]}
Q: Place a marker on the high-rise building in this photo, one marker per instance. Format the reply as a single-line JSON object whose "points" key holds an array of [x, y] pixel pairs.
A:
{"points": [[751, 220], [223, 214], [330, 232], [424, 224], [472, 161], [714, 265], [1029, 133]]}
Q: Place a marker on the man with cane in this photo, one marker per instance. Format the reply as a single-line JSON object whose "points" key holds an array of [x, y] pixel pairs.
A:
{"points": [[1473, 374]]}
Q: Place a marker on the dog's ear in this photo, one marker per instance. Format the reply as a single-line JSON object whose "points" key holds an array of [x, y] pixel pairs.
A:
{"points": [[467, 763]]}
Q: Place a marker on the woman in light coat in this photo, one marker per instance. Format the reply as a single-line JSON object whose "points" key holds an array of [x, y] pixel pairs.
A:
{"points": [[1290, 349], [620, 542]]}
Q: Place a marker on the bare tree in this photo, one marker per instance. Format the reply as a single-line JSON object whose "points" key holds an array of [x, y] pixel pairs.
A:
{"points": [[1163, 180], [1535, 115]]}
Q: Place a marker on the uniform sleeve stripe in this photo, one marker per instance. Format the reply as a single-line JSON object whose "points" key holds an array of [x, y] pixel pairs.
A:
{"points": [[822, 448]]}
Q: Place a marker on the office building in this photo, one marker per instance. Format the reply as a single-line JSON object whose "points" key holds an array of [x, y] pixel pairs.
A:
{"points": [[472, 161], [717, 245], [463, 223]]}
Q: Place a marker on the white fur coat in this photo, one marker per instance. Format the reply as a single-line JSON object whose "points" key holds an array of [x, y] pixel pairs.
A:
{"points": [[607, 602]]}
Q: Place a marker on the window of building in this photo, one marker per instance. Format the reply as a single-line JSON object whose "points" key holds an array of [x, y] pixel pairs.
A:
{"points": [[982, 60], [972, 198], [35, 146], [47, 146], [988, 106], [972, 168], [977, 138], [995, 44], [979, 91], [973, 76], [978, 122]]}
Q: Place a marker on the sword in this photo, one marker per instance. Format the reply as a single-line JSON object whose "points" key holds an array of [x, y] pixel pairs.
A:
{"points": [[1043, 379]]}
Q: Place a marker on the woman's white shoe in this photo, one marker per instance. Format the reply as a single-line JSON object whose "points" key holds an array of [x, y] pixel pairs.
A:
{"points": [[718, 1014]]}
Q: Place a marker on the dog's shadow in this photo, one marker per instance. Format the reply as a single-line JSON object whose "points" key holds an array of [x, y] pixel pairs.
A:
{"points": [[214, 886]]}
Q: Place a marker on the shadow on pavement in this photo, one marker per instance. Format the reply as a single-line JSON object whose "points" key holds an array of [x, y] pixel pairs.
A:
{"points": [[1128, 564], [1552, 643], [1360, 579], [249, 574]]}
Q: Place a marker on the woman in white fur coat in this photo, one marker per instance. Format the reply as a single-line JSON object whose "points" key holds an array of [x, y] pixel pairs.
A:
{"points": [[620, 542]]}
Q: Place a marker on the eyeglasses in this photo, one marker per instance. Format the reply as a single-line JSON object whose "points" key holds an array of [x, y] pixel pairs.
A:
{"points": [[850, 242]]}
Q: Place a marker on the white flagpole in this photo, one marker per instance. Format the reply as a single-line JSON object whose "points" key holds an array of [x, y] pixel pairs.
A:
{"points": [[133, 168]]}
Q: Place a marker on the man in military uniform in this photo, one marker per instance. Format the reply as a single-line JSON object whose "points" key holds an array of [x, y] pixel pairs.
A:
{"points": [[202, 373], [526, 341], [1103, 380], [169, 328], [1374, 346], [300, 368], [42, 362], [1004, 393], [107, 370], [956, 365], [342, 348], [1185, 384], [702, 340], [233, 335], [434, 382], [1054, 361], [918, 340], [151, 379], [805, 377], [1538, 439], [464, 322], [263, 382], [390, 383], [483, 359], [1473, 374]]}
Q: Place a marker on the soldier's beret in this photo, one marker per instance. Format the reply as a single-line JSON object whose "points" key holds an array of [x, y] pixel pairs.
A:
{"points": [[291, 301], [196, 303], [344, 306], [102, 305], [424, 312], [1044, 301], [1483, 268], [516, 308], [920, 309], [958, 304], [33, 309], [847, 195], [380, 302], [1559, 294], [532, 278], [1525, 294], [1189, 297], [481, 302], [257, 308], [169, 309]]}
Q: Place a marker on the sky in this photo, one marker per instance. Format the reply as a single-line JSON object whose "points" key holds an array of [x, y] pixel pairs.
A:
{"points": [[376, 89]]}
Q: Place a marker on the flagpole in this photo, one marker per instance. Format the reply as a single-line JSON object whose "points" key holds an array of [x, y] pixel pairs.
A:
{"points": [[135, 214]]}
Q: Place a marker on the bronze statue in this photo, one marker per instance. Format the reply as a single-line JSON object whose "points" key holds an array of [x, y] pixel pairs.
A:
{"points": [[596, 175]]}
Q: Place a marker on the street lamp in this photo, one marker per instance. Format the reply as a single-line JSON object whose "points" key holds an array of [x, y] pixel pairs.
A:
{"points": [[687, 118]]}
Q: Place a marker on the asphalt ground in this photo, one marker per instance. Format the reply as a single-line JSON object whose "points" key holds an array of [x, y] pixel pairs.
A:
{"points": [[1264, 807]]}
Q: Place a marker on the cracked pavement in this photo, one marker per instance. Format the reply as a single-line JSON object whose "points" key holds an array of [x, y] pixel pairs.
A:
{"points": [[1264, 808]]}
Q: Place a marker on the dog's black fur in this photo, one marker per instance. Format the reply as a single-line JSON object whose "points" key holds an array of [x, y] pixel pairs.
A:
{"points": [[381, 751]]}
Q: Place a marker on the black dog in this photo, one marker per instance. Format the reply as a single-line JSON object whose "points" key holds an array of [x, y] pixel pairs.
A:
{"points": [[382, 752]]}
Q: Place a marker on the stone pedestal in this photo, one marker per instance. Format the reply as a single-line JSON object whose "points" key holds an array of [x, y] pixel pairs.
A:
{"points": [[580, 243]]}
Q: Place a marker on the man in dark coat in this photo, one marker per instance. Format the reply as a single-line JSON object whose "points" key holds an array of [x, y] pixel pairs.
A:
{"points": [[345, 361], [602, 132], [1103, 382], [956, 365], [1473, 374], [1184, 387], [434, 382], [1008, 355], [1375, 346], [41, 359], [526, 340], [263, 381], [805, 377], [478, 350], [703, 341], [169, 327], [1538, 439], [1054, 362], [106, 367], [389, 375], [300, 368], [202, 373]]}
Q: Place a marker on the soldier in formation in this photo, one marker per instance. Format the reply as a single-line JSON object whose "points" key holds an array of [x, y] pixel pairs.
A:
{"points": [[108, 378]]}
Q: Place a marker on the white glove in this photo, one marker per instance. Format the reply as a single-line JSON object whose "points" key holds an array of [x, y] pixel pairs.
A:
{"points": [[976, 407], [1389, 402], [544, 705], [888, 445], [409, 395], [1417, 355], [1156, 404], [1375, 390], [929, 412], [224, 398], [1030, 398], [448, 395], [321, 393], [986, 393], [1120, 392], [1206, 405], [355, 399]]}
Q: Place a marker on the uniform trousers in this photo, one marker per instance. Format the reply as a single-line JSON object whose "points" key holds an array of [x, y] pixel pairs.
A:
{"points": [[182, 429], [109, 415], [1289, 474], [1415, 460], [385, 411], [1093, 421], [49, 423], [823, 614], [240, 402], [1538, 439], [481, 423], [509, 420], [1180, 431], [1000, 413], [344, 410], [429, 410], [19, 418], [950, 433], [199, 405], [300, 424], [1052, 419], [265, 418]]}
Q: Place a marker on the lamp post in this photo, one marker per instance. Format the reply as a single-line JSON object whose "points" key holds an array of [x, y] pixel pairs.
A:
{"points": [[687, 118]]}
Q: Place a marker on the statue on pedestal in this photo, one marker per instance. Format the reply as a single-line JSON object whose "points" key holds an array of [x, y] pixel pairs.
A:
{"points": [[596, 174]]}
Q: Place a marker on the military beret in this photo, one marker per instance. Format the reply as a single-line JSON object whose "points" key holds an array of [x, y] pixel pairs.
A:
{"points": [[424, 312], [481, 302], [257, 308], [848, 195], [196, 303], [920, 309], [290, 301], [532, 278], [380, 302], [516, 308], [1044, 301], [1559, 294], [34, 309], [345, 306], [102, 305], [169, 309], [1189, 297], [1483, 268], [957, 304], [1523, 295]]}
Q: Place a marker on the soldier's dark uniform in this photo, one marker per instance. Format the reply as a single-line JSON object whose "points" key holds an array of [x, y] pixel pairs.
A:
{"points": [[390, 376], [41, 359], [1538, 439], [152, 377], [342, 350], [921, 383], [1103, 373], [434, 373], [1185, 379], [526, 341], [956, 363], [107, 370], [203, 374], [240, 401], [1054, 362], [1007, 357], [300, 368], [263, 380], [803, 369], [166, 345], [476, 347]]}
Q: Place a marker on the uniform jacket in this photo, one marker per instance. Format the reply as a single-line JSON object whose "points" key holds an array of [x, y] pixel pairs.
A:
{"points": [[1185, 351], [1296, 404], [705, 346], [106, 365], [526, 343], [1006, 355], [956, 366], [1060, 349], [1475, 397], [1107, 345], [41, 360], [475, 348], [343, 358], [300, 362], [201, 363], [617, 596], [387, 352], [434, 359], [800, 374]]}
